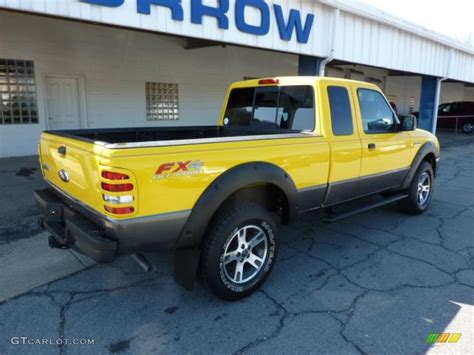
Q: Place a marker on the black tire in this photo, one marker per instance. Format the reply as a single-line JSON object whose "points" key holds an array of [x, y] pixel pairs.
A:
{"points": [[468, 128], [247, 221], [413, 204]]}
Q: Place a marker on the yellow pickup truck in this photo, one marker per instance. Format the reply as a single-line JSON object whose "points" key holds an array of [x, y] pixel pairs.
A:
{"points": [[216, 194]]}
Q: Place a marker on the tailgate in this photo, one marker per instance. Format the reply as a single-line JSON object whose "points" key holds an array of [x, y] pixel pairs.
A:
{"points": [[72, 165]]}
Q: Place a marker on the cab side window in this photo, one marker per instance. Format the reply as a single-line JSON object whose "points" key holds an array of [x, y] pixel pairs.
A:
{"points": [[341, 113], [377, 116]]}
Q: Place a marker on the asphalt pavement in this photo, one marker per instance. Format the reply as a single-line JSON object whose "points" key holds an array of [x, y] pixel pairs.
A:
{"points": [[378, 282]]}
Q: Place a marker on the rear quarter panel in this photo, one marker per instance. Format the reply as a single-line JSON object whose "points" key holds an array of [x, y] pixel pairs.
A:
{"points": [[305, 159]]}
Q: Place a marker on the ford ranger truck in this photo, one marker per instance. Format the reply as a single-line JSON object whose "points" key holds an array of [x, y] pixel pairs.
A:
{"points": [[217, 194]]}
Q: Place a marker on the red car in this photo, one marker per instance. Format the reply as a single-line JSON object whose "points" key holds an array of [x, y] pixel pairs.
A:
{"points": [[462, 110]]}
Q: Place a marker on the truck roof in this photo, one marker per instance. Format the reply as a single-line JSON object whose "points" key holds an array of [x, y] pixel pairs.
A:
{"points": [[295, 80]]}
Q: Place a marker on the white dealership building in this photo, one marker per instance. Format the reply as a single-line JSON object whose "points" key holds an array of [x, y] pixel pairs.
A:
{"points": [[117, 63]]}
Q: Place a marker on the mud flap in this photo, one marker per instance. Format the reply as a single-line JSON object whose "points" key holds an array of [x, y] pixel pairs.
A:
{"points": [[186, 263]]}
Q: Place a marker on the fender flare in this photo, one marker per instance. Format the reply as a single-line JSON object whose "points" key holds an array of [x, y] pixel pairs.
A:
{"points": [[188, 251], [427, 148]]}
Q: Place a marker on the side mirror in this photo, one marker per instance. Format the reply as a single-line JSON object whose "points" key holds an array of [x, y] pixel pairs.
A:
{"points": [[407, 123]]}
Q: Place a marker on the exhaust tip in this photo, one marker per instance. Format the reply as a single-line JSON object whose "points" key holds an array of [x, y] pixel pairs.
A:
{"points": [[144, 263]]}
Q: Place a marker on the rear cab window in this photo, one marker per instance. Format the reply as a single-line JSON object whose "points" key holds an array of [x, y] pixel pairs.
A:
{"points": [[282, 108]]}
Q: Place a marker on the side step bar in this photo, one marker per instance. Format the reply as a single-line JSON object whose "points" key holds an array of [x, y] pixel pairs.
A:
{"points": [[337, 216]]}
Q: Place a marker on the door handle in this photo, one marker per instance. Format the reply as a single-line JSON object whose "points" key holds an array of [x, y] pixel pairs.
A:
{"points": [[371, 146]]}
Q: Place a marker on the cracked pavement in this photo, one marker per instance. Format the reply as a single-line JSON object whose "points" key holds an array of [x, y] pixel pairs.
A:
{"points": [[377, 282]]}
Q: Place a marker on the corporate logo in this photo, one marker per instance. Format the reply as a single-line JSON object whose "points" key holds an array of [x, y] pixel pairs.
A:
{"points": [[178, 168], [63, 175], [286, 23]]}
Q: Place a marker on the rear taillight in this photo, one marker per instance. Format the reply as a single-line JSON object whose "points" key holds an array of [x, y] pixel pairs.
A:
{"points": [[119, 210], [110, 175], [116, 183], [117, 187]]}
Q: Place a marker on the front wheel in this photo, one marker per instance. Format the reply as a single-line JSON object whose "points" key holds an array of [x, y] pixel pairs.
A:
{"points": [[239, 251], [420, 192]]}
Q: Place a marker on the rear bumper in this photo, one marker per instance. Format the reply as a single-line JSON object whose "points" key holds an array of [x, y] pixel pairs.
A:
{"points": [[74, 225]]}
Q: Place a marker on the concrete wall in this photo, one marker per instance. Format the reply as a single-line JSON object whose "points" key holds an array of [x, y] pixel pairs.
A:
{"points": [[453, 92], [115, 64], [405, 92], [469, 96], [364, 33]]}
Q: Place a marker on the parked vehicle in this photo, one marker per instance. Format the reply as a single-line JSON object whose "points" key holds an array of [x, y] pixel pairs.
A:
{"points": [[458, 114], [216, 195], [462, 110]]}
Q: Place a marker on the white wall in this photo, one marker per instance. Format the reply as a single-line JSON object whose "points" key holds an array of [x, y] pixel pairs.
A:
{"points": [[469, 95], [364, 34], [453, 92], [115, 64], [405, 92]]}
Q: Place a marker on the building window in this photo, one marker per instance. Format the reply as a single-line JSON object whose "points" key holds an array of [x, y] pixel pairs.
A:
{"points": [[17, 92], [162, 102]]}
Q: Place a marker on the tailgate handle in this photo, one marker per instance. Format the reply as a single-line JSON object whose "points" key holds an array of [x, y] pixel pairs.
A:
{"points": [[62, 150]]}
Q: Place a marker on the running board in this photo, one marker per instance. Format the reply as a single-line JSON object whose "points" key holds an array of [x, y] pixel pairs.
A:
{"points": [[337, 216]]}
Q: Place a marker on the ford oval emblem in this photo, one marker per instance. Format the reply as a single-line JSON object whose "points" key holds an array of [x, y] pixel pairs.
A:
{"points": [[63, 175]]}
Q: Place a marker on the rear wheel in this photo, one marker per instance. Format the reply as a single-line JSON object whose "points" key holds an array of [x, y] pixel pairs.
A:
{"points": [[239, 251], [420, 192], [468, 128]]}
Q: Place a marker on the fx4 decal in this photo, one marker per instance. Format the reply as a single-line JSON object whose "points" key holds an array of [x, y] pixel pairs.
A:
{"points": [[178, 168]]}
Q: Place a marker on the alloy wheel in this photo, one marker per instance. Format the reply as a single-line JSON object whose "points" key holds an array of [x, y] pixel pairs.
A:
{"points": [[424, 189], [245, 253]]}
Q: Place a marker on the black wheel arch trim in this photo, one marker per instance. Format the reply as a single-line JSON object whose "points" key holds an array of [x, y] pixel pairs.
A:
{"points": [[425, 149], [187, 253]]}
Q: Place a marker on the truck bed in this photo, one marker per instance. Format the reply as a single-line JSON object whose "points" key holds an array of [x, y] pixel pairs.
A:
{"points": [[153, 134]]}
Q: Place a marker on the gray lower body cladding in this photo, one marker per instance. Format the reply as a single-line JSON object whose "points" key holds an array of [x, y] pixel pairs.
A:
{"points": [[346, 190], [91, 233]]}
